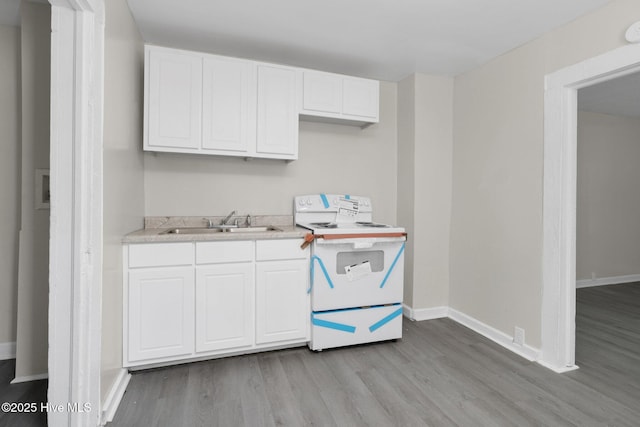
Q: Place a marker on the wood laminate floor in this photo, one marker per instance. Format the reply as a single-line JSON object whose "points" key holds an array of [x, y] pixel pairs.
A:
{"points": [[439, 374], [28, 392]]}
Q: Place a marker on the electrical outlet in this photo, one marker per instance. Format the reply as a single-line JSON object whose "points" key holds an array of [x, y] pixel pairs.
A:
{"points": [[518, 336]]}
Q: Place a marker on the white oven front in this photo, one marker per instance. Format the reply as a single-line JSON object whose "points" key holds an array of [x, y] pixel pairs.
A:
{"points": [[356, 272]]}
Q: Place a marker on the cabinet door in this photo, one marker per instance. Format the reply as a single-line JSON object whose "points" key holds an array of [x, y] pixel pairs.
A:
{"points": [[224, 306], [226, 121], [322, 92], [173, 100], [361, 98], [160, 313], [277, 121], [282, 302]]}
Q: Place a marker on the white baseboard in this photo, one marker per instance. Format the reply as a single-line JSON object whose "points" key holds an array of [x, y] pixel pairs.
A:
{"points": [[602, 281], [114, 396], [494, 335], [558, 370], [424, 313], [27, 378], [7, 350]]}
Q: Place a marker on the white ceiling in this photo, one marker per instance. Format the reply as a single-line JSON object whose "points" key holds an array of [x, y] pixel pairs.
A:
{"points": [[618, 97], [381, 39]]}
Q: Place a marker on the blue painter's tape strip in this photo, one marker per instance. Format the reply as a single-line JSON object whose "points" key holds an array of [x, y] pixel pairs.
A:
{"points": [[348, 197], [317, 259], [385, 320], [311, 273], [325, 201], [333, 325], [393, 264]]}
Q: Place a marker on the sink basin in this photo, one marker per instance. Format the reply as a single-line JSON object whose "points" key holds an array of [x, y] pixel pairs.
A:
{"points": [[204, 230], [193, 230], [252, 229]]}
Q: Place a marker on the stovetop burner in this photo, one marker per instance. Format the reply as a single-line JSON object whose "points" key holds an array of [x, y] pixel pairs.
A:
{"points": [[372, 224], [324, 224]]}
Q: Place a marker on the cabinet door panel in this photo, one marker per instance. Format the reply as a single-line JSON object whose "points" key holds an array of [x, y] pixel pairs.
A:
{"points": [[361, 97], [224, 306], [322, 92], [174, 100], [277, 127], [226, 121], [160, 308], [282, 302]]}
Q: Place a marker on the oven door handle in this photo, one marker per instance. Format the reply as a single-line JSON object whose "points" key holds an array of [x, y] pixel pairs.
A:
{"points": [[364, 242]]}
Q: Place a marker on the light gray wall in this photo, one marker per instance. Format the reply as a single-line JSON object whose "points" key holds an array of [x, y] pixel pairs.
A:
{"points": [[496, 238], [33, 273], [433, 173], [332, 159], [406, 177], [9, 179], [608, 201], [425, 145], [123, 171]]}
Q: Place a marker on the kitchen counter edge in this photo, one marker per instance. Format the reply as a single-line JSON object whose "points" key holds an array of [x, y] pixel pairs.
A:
{"points": [[154, 235]]}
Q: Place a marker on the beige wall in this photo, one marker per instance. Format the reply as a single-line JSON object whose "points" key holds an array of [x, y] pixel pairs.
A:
{"points": [[33, 273], [496, 238], [425, 144], [332, 159], [406, 177], [608, 201], [9, 179], [123, 170]]}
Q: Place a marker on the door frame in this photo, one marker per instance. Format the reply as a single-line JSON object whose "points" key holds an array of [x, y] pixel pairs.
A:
{"points": [[75, 246], [559, 199]]}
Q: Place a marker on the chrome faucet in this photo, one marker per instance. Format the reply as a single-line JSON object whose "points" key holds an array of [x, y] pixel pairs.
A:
{"points": [[224, 221]]}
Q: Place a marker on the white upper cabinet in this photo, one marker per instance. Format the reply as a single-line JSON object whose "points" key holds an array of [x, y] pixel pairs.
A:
{"points": [[173, 94], [208, 104], [340, 98], [360, 98], [228, 119], [322, 93], [277, 112]]}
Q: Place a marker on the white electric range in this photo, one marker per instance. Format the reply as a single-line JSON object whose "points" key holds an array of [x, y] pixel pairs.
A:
{"points": [[357, 271]]}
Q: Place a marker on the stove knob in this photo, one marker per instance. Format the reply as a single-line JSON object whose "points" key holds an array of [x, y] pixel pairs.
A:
{"points": [[300, 202], [309, 202], [335, 201]]}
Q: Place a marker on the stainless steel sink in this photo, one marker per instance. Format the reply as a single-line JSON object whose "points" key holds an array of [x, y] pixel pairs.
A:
{"points": [[252, 229], [205, 230], [192, 230]]}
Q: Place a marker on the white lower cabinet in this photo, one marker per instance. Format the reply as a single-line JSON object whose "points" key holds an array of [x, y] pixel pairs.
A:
{"points": [[191, 300], [281, 301], [161, 315], [224, 306]]}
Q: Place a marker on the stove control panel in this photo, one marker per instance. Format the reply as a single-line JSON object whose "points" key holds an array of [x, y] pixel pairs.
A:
{"points": [[329, 202]]}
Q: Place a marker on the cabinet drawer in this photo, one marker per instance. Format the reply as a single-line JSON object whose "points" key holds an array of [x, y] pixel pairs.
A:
{"points": [[160, 255], [219, 252], [267, 250]]}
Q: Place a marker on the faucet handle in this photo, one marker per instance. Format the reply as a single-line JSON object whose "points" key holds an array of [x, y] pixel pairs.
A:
{"points": [[209, 222]]}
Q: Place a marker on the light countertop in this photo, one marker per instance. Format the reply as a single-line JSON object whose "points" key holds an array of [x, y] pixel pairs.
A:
{"points": [[156, 226]]}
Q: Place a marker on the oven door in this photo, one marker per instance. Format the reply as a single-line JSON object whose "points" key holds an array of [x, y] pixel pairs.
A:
{"points": [[357, 272]]}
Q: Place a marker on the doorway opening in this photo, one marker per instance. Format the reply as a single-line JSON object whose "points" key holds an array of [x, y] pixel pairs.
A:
{"points": [[559, 201]]}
